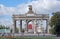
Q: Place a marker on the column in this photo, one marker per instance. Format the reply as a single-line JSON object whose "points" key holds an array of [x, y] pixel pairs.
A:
{"points": [[14, 24], [20, 26], [47, 23], [26, 26], [41, 25], [19, 29], [34, 24]]}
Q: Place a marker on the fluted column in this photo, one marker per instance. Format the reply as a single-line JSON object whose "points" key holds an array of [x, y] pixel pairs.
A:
{"points": [[14, 24], [26, 27], [47, 24], [41, 25], [20, 26], [34, 24], [19, 29]]}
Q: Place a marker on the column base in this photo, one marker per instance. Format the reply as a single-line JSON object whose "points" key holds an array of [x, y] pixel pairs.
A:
{"points": [[34, 32], [19, 32], [25, 32]]}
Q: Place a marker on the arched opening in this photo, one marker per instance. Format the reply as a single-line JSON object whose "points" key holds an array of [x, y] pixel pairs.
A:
{"points": [[30, 26]]}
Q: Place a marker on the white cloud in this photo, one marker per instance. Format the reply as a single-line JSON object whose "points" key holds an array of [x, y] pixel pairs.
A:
{"points": [[6, 22], [39, 6], [6, 10]]}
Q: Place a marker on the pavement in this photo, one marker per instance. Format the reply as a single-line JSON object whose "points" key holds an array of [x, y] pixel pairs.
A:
{"points": [[29, 35], [57, 37]]}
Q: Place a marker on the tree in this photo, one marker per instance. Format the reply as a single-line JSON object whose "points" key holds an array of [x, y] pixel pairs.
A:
{"points": [[3, 27], [55, 23], [57, 27]]}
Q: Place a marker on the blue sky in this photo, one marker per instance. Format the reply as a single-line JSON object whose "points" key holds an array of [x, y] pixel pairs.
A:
{"points": [[12, 3], [10, 7]]}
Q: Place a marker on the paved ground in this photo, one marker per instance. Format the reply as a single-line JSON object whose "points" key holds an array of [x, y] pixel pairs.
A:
{"points": [[57, 37], [31, 35], [22, 34], [35, 35]]}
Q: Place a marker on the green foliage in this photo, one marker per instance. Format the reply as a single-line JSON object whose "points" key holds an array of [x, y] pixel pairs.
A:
{"points": [[52, 31], [54, 19], [57, 27], [28, 38], [17, 30], [55, 23], [23, 30], [3, 27]]}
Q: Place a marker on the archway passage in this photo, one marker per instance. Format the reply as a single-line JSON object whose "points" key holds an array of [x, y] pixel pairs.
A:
{"points": [[30, 15], [30, 26]]}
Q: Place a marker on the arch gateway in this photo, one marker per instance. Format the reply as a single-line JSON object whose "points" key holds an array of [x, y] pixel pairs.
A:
{"points": [[30, 15]]}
